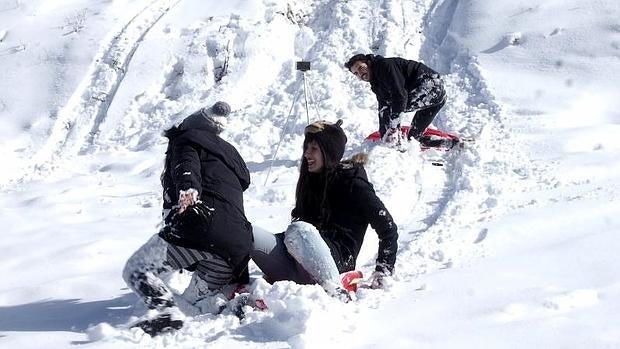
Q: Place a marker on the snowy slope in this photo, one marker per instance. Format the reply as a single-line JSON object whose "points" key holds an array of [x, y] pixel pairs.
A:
{"points": [[510, 244]]}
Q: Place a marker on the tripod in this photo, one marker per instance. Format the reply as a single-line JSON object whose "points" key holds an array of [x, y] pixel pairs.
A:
{"points": [[303, 67]]}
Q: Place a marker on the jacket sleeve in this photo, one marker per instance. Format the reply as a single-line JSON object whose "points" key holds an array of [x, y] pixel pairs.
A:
{"points": [[382, 104], [381, 221], [185, 165]]}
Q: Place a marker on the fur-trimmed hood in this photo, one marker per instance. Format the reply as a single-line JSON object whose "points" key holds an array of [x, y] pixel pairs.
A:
{"points": [[359, 159]]}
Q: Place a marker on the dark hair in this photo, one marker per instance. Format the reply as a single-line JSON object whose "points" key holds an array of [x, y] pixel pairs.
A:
{"points": [[355, 58], [310, 203], [331, 139]]}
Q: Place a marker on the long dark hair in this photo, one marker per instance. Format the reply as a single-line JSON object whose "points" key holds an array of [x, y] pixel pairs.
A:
{"points": [[311, 204]]}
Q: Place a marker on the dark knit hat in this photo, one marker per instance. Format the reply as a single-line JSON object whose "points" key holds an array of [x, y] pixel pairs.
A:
{"points": [[207, 117], [220, 108], [331, 139]]}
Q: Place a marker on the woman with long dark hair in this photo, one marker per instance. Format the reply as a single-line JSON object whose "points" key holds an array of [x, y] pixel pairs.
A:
{"points": [[334, 204]]}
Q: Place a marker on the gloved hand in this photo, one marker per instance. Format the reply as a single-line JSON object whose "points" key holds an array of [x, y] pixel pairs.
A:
{"points": [[395, 120], [391, 136], [377, 279], [187, 198]]}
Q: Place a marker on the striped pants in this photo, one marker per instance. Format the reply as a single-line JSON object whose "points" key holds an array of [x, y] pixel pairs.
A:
{"points": [[149, 266]]}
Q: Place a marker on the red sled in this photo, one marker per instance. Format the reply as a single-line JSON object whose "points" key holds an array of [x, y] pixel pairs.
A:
{"points": [[429, 132]]}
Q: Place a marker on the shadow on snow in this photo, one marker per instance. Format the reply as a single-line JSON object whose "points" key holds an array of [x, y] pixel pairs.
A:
{"points": [[66, 315]]}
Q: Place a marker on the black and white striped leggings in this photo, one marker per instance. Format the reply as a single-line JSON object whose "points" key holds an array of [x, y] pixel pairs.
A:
{"points": [[147, 268]]}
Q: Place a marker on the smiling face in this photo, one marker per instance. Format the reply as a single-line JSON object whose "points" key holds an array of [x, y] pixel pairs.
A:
{"points": [[361, 70], [314, 157]]}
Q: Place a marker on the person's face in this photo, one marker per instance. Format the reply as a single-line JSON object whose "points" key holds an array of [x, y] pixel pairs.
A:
{"points": [[314, 157], [361, 70]]}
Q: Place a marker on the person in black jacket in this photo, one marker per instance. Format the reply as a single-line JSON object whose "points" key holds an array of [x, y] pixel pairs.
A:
{"points": [[205, 229], [402, 85], [336, 199]]}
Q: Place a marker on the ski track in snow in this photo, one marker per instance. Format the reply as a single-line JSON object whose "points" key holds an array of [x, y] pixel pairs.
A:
{"points": [[207, 58], [78, 122]]}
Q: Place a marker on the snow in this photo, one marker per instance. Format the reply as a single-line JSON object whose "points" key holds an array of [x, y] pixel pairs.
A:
{"points": [[511, 244]]}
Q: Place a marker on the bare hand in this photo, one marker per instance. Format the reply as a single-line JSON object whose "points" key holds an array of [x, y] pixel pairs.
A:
{"points": [[187, 198]]}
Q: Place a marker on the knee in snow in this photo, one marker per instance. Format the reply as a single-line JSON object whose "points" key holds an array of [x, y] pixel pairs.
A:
{"points": [[299, 233]]}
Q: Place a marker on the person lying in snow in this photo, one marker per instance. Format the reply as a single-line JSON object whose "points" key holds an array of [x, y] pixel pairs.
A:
{"points": [[334, 204], [205, 228], [400, 86]]}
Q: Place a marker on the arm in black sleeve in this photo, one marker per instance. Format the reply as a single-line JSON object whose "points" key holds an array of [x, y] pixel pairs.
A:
{"points": [[382, 105], [185, 163], [384, 118], [381, 221]]}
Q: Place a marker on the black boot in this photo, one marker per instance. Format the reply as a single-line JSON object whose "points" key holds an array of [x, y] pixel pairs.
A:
{"points": [[160, 324]]}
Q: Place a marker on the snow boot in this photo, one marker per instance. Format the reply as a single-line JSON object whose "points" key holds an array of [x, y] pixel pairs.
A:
{"points": [[160, 324], [350, 279], [346, 291], [241, 299], [198, 299]]}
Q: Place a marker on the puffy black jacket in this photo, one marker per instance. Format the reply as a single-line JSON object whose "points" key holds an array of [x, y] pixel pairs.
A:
{"points": [[198, 158], [352, 205], [393, 78]]}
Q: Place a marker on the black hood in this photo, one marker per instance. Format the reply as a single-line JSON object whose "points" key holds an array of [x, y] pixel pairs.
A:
{"points": [[201, 129]]}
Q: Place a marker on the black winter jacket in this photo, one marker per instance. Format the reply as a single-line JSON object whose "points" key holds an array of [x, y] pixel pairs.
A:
{"points": [[352, 205], [198, 158], [393, 78]]}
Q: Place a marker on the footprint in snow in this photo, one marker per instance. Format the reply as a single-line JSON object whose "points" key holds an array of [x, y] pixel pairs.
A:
{"points": [[510, 39], [556, 31], [481, 235], [550, 307]]}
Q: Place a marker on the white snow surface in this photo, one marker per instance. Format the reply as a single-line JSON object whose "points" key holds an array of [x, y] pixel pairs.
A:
{"points": [[513, 243]]}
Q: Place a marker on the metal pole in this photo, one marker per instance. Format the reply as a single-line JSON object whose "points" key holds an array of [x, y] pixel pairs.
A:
{"points": [[313, 100], [282, 135], [306, 97]]}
